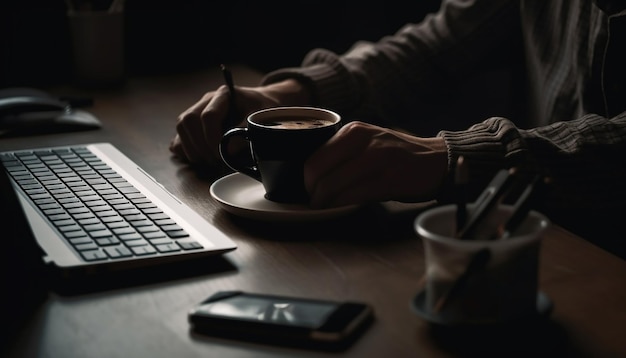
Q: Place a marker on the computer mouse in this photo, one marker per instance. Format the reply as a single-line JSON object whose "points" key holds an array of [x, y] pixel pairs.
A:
{"points": [[28, 110]]}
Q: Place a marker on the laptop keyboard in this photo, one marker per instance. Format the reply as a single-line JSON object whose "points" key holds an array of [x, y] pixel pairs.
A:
{"points": [[101, 214]]}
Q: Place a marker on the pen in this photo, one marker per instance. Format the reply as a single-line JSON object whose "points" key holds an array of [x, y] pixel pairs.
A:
{"points": [[231, 119], [488, 200], [478, 262], [521, 207], [460, 179]]}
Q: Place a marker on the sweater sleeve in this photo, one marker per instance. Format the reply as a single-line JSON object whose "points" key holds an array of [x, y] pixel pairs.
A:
{"points": [[384, 79], [584, 158]]}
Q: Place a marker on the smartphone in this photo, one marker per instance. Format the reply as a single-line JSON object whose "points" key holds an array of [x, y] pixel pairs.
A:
{"points": [[282, 320]]}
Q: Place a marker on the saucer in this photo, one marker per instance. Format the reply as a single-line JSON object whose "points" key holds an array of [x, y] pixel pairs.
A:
{"points": [[544, 307], [244, 196]]}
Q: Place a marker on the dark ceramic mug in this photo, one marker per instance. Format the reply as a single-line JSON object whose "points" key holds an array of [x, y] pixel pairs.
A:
{"points": [[281, 140]]}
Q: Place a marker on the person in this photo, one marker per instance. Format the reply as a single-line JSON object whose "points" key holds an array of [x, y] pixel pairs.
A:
{"points": [[574, 129]]}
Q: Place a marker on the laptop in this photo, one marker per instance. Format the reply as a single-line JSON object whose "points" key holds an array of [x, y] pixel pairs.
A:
{"points": [[91, 210]]}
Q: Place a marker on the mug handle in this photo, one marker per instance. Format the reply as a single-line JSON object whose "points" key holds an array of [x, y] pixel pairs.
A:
{"points": [[232, 161]]}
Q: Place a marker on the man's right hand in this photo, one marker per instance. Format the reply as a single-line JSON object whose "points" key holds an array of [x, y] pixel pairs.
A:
{"points": [[200, 128]]}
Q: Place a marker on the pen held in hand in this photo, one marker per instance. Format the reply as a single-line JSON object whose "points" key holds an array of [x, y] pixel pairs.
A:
{"points": [[231, 119]]}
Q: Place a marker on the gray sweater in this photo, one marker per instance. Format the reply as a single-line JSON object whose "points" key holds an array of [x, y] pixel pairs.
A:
{"points": [[575, 130]]}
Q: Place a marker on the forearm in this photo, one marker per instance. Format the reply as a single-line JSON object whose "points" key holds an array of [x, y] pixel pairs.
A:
{"points": [[289, 92], [387, 77], [584, 157]]}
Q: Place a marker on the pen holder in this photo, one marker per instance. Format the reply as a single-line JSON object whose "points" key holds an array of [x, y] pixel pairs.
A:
{"points": [[479, 281]]}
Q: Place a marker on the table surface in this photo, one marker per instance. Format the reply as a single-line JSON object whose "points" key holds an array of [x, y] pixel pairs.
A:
{"points": [[371, 255]]}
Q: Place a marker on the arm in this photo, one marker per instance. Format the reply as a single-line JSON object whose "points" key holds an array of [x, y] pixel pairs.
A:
{"points": [[387, 77], [585, 157]]}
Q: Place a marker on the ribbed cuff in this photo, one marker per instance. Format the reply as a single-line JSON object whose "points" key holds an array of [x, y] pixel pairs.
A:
{"points": [[486, 147]]}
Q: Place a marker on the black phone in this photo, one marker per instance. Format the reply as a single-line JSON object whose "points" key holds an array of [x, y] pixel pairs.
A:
{"points": [[274, 319]]}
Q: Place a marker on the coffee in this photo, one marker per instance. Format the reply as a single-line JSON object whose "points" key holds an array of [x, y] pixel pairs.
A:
{"points": [[295, 122]]}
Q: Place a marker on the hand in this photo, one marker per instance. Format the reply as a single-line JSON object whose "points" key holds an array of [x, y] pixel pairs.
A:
{"points": [[364, 163], [200, 128]]}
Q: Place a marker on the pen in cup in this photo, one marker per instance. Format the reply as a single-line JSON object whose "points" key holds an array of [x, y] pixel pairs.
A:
{"points": [[477, 263], [460, 179], [487, 201], [522, 207], [231, 119]]}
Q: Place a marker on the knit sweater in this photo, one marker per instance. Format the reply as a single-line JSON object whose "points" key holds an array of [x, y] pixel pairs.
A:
{"points": [[575, 129]]}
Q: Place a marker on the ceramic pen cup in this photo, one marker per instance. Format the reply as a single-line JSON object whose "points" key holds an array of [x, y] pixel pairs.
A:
{"points": [[281, 140], [479, 281]]}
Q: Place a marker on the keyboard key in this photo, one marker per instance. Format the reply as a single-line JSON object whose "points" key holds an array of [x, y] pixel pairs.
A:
{"points": [[80, 240], [87, 246], [148, 228], [154, 235], [173, 227], [189, 245], [161, 241], [123, 230], [95, 227], [93, 255], [117, 225], [160, 216], [130, 237], [117, 251], [100, 233], [59, 217], [49, 206], [64, 223], [177, 234], [164, 222], [133, 243], [53, 211], [111, 219], [108, 241], [66, 228], [143, 250], [75, 234], [168, 247], [89, 221]]}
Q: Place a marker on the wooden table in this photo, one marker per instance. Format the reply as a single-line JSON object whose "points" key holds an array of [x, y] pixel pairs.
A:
{"points": [[371, 255]]}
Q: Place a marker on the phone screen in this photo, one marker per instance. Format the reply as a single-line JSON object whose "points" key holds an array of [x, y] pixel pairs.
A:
{"points": [[272, 310]]}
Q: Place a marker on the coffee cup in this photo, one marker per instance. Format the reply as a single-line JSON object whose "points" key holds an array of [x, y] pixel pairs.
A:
{"points": [[281, 140], [480, 281]]}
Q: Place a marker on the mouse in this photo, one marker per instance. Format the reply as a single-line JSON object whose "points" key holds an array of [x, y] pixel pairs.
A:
{"points": [[29, 110]]}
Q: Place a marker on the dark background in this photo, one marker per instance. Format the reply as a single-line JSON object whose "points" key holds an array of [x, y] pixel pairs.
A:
{"points": [[182, 35]]}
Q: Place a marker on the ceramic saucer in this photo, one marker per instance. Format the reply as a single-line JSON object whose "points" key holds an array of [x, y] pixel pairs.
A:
{"points": [[544, 307], [244, 196]]}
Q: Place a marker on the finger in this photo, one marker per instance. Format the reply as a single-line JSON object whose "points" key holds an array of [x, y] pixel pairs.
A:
{"points": [[187, 122], [177, 149], [212, 119], [339, 185], [347, 143], [381, 175]]}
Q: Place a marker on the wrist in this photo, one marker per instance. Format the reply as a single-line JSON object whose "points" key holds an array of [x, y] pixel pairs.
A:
{"points": [[289, 92]]}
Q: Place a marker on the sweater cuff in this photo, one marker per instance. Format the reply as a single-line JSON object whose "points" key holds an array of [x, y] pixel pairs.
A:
{"points": [[486, 147]]}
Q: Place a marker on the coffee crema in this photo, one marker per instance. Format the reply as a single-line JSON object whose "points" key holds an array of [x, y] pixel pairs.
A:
{"points": [[295, 122]]}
